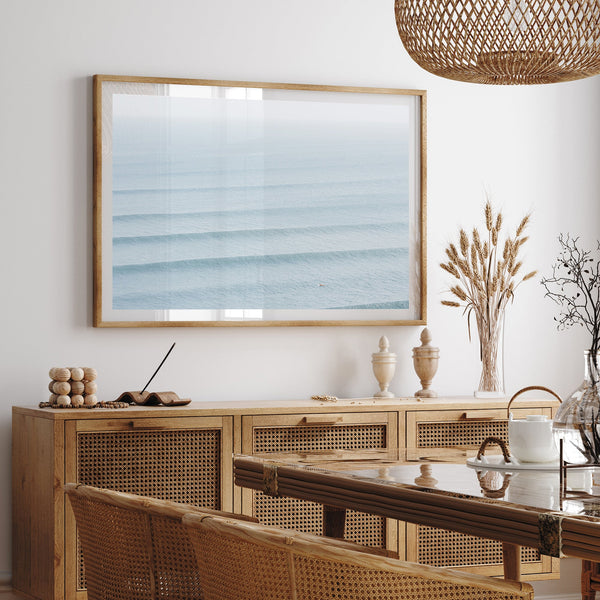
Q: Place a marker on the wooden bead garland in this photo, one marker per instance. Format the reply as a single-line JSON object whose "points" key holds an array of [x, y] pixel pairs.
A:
{"points": [[72, 387], [99, 404]]}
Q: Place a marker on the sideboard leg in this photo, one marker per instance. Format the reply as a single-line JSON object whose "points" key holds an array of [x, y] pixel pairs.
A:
{"points": [[511, 557], [334, 521]]}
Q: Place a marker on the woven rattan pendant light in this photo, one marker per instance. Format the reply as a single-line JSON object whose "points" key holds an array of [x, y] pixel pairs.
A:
{"points": [[502, 41]]}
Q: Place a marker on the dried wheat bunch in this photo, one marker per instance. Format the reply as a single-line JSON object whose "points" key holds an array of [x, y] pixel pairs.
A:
{"points": [[487, 272]]}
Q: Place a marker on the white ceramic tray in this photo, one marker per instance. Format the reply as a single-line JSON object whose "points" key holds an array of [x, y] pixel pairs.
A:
{"points": [[497, 462]]}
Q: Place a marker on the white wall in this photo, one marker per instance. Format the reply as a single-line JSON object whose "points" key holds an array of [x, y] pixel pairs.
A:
{"points": [[535, 148]]}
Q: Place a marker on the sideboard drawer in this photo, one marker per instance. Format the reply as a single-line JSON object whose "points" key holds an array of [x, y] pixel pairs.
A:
{"points": [[335, 434], [328, 435], [461, 428]]}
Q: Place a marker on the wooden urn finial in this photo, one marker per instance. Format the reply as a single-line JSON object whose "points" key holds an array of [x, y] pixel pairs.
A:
{"points": [[425, 360]]}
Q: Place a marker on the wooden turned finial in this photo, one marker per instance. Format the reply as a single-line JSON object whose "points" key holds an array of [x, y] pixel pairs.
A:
{"points": [[425, 360], [384, 367]]}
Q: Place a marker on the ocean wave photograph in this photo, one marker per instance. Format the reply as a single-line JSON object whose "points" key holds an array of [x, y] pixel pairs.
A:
{"points": [[259, 204]]}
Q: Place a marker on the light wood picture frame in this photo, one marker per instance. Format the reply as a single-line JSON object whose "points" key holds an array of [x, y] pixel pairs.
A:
{"points": [[223, 203]]}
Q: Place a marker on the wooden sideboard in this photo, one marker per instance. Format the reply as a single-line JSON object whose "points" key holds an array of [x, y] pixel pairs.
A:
{"points": [[185, 454]]}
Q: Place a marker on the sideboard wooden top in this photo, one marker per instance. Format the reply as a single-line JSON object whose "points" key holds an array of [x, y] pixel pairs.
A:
{"points": [[282, 406]]}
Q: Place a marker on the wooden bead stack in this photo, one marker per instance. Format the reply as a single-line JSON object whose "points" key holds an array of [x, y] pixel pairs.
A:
{"points": [[73, 386]]}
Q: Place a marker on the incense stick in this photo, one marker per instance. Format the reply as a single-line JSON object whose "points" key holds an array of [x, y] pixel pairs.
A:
{"points": [[158, 369]]}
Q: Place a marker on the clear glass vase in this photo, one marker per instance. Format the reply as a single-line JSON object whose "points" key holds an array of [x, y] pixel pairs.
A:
{"points": [[577, 420], [491, 348]]}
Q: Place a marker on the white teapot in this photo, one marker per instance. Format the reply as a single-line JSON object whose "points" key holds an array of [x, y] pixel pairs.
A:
{"points": [[531, 440]]}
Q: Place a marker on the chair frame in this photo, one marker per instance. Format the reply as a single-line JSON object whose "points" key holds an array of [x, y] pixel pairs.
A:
{"points": [[166, 565], [328, 549], [153, 506]]}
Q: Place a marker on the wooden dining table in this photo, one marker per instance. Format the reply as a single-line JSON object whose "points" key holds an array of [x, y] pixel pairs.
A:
{"points": [[449, 489]]}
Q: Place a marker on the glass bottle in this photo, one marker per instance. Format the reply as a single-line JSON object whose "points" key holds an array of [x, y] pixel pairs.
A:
{"points": [[577, 418]]}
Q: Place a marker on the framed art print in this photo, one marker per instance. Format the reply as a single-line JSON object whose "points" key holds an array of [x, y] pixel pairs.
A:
{"points": [[254, 204]]}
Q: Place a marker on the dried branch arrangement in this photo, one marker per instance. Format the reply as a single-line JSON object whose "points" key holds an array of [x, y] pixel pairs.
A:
{"points": [[575, 286], [487, 274]]}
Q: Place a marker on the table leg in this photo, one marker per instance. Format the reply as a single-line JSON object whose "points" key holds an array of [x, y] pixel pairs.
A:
{"points": [[334, 521], [511, 557], [588, 570]]}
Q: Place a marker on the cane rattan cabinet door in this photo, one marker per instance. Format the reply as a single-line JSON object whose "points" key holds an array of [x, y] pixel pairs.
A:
{"points": [[187, 459], [326, 435], [442, 548]]}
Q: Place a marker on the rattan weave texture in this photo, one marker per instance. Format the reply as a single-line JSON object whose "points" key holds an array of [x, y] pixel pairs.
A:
{"points": [[180, 465], [446, 434], [255, 562], [301, 515], [229, 569], [444, 548], [325, 437], [307, 517], [116, 551], [175, 574], [320, 579], [502, 41]]}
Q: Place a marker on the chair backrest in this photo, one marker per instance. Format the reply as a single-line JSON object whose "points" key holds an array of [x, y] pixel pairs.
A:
{"points": [[254, 562], [135, 547]]}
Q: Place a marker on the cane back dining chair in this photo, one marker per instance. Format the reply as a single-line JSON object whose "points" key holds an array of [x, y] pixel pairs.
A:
{"points": [[134, 547], [248, 561]]}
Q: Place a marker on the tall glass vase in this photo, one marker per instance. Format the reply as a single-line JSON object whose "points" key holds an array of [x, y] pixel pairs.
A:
{"points": [[491, 346], [577, 421]]}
